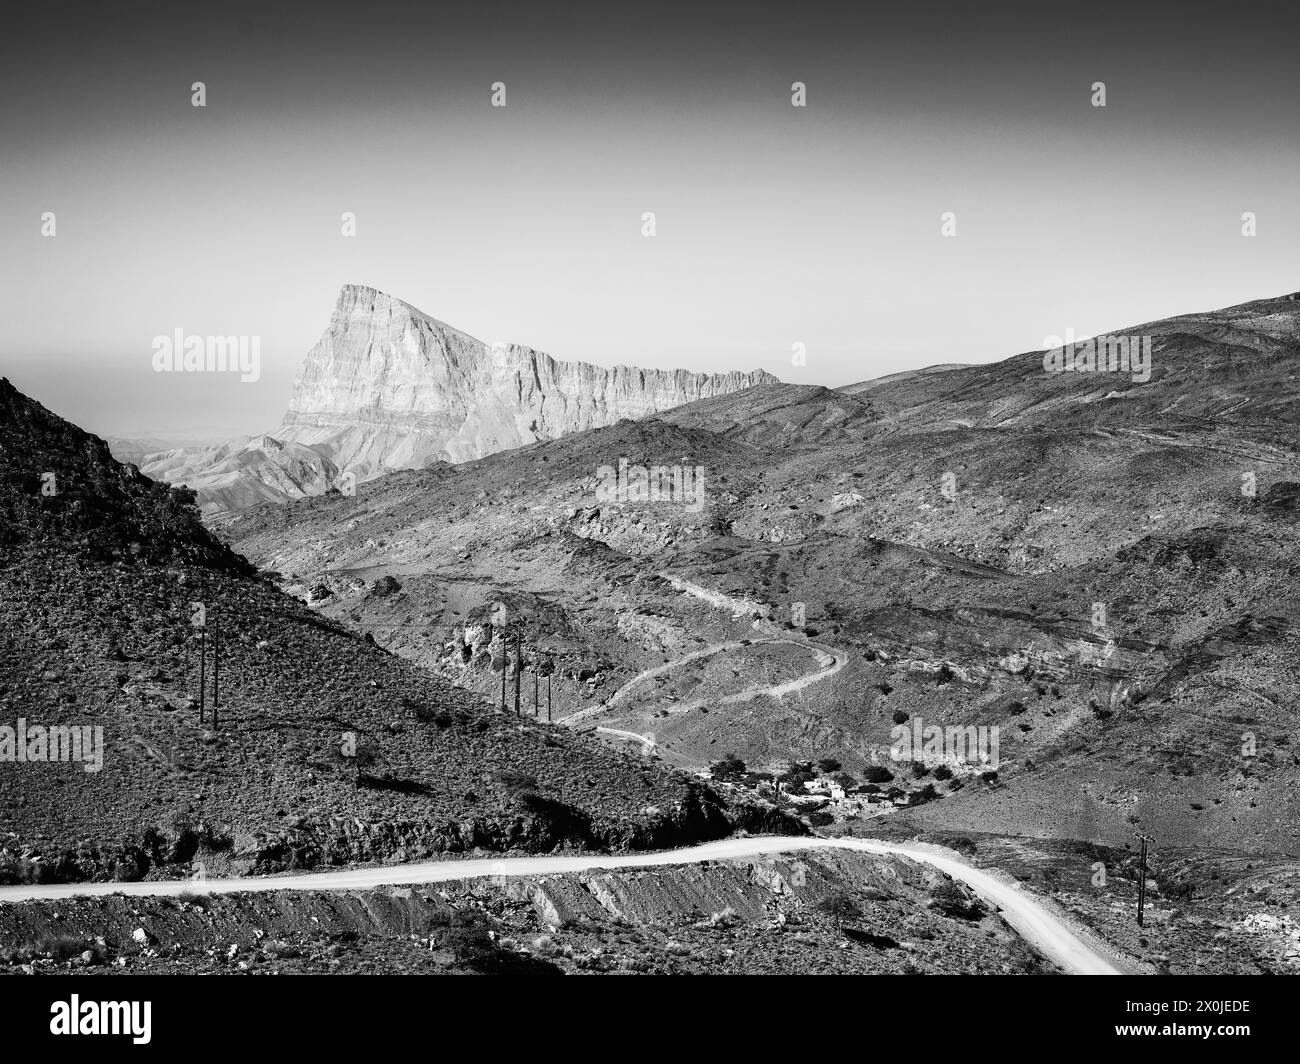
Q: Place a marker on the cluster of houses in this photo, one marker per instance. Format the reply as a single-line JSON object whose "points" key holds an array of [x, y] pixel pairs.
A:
{"points": [[826, 794]]}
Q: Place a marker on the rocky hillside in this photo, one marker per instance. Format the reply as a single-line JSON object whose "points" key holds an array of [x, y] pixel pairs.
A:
{"points": [[1104, 570], [330, 750], [387, 387], [59, 484], [1204, 367]]}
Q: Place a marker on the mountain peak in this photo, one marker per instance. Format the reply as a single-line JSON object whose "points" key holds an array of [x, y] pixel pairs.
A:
{"points": [[353, 296], [384, 364], [388, 387], [361, 306]]}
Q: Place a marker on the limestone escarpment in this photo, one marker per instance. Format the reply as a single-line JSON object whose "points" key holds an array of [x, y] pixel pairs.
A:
{"points": [[385, 367], [387, 387]]}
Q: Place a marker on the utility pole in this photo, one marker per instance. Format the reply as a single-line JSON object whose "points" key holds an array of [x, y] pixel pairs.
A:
{"points": [[1142, 878], [203, 673], [536, 680], [505, 656], [550, 671], [518, 668], [216, 670]]}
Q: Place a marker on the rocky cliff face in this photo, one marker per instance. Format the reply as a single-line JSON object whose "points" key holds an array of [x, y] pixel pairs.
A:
{"points": [[388, 387]]}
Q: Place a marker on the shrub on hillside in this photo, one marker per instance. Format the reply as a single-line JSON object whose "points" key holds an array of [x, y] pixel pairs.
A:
{"points": [[729, 767], [839, 907], [56, 947], [799, 773]]}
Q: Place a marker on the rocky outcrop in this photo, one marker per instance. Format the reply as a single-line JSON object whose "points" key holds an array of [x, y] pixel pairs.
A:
{"points": [[384, 364], [387, 387], [61, 492]]}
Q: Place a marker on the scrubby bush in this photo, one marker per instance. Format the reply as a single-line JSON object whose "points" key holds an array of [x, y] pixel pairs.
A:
{"points": [[950, 899], [729, 767], [56, 947], [800, 772], [840, 906], [470, 945]]}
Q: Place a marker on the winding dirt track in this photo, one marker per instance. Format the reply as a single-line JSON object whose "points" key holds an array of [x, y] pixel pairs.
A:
{"points": [[838, 659], [1038, 926]]}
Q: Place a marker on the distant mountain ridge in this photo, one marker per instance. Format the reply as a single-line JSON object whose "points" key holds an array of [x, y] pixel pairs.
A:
{"points": [[388, 387]]}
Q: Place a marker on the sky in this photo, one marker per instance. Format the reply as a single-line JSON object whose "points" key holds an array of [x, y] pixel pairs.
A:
{"points": [[775, 225]]}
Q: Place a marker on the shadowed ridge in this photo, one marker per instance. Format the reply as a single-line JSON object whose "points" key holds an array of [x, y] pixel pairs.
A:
{"points": [[59, 485]]}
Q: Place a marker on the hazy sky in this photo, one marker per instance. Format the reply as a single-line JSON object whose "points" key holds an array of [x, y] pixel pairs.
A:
{"points": [[775, 224]]}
